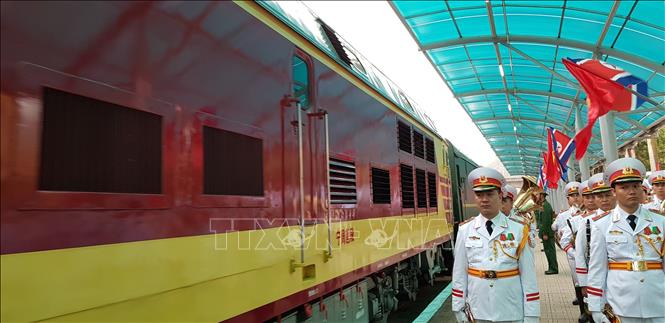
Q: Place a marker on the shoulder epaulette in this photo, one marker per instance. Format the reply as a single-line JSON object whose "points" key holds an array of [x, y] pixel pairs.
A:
{"points": [[600, 216], [654, 211], [466, 221], [517, 220]]}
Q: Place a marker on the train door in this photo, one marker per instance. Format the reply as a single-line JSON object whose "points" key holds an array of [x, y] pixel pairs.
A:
{"points": [[305, 153]]}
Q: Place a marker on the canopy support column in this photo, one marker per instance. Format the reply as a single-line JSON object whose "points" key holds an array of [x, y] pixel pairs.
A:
{"points": [[584, 164], [608, 137], [652, 145], [571, 169]]}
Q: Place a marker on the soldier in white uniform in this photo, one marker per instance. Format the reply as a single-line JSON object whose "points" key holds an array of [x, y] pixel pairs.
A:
{"points": [[657, 182], [606, 202], [574, 200], [646, 187], [561, 222], [626, 252], [509, 195], [568, 234], [494, 277]]}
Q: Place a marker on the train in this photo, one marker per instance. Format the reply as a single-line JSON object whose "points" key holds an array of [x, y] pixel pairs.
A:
{"points": [[212, 161]]}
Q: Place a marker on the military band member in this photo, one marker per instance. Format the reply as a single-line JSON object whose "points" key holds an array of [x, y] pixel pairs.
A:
{"points": [[626, 252], [606, 202], [494, 277], [509, 195], [657, 182]]}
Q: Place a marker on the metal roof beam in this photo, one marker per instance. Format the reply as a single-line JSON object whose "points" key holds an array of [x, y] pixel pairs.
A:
{"points": [[550, 41], [541, 65], [522, 91], [506, 134], [640, 111], [631, 121], [512, 147], [515, 118], [521, 156], [543, 113]]}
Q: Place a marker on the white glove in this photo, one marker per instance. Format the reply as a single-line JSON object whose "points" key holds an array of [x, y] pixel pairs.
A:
{"points": [[571, 253], [531, 319], [460, 316], [598, 317]]}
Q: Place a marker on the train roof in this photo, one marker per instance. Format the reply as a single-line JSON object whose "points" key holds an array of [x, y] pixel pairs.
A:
{"points": [[301, 19]]}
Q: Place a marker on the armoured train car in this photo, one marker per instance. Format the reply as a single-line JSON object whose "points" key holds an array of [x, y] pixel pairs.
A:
{"points": [[209, 161]]}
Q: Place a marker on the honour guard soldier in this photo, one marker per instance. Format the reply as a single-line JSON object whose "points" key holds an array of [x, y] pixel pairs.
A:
{"points": [[494, 278], [568, 242], [657, 182], [626, 253], [574, 200], [561, 222], [646, 187], [606, 202], [509, 195]]}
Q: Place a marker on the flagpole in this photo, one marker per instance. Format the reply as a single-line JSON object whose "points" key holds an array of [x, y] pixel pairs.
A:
{"points": [[584, 165], [608, 137]]}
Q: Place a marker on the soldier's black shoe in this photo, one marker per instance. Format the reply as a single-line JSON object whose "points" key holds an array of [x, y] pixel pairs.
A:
{"points": [[585, 318], [575, 302], [551, 272]]}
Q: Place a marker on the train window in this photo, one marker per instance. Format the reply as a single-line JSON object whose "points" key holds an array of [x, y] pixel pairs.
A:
{"points": [[404, 136], [421, 188], [429, 150], [301, 81], [343, 49], [431, 189], [418, 144], [89, 145], [406, 182], [380, 186], [405, 102], [232, 163], [342, 182]]}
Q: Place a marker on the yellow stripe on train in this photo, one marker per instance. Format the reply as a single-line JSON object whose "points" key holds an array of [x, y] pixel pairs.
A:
{"points": [[200, 278]]}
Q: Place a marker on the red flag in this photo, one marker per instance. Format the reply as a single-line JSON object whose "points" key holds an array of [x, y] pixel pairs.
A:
{"points": [[552, 170], [604, 86]]}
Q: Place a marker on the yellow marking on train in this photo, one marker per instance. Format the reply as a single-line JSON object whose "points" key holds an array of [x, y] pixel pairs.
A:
{"points": [[187, 279]]}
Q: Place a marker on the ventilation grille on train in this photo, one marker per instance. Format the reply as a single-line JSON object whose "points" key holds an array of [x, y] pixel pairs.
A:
{"points": [[89, 145], [429, 150], [404, 136], [406, 181], [380, 186], [342, 182], [421, 189], [431, 189], [418, 144]]}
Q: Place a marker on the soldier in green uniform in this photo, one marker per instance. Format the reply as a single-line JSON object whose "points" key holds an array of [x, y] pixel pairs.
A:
{"points": [[546, 216]]}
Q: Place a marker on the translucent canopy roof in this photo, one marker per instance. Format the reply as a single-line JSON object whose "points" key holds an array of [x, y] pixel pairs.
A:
{"points": [[502, 61]]}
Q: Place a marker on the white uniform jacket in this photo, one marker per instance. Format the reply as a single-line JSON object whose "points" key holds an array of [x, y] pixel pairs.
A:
{"points": [[639, 294], [655, 204], [560, 221], [567, 233], [581, 263], [495, 299], [532, 227]]}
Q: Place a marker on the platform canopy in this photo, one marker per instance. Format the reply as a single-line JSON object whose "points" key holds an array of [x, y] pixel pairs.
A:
{"points": [[502, 61]]}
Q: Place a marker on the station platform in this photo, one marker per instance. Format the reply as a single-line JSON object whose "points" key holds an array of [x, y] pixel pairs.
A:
{"points": [[556, 295]]}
